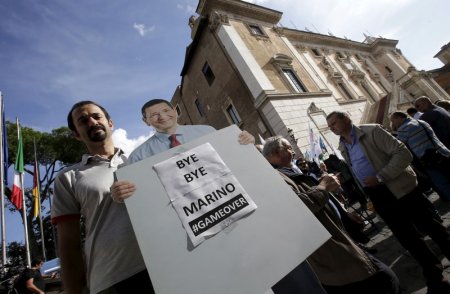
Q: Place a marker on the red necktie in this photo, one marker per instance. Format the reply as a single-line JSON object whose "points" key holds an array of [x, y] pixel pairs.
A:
{"points": [[174, 141]]}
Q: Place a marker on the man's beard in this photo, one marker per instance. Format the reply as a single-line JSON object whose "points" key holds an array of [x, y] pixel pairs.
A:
{"points": [[95, 135]]}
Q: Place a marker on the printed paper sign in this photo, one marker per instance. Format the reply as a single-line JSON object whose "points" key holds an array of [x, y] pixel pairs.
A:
{"points": [[205, 194]]}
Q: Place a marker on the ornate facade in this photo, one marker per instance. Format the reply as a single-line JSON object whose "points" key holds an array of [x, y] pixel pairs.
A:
{"points": [[243, 68], [442, 75]]}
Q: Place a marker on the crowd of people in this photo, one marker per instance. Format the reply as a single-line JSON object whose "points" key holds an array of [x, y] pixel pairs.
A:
{"points": [[376, 167]]}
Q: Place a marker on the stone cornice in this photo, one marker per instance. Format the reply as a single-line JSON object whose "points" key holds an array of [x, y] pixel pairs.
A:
{"points": [[352, 101], [324, 40], [315, 39], [281, 59], [236, 7], [262, 100], [444, 48], [381, 42], [216, 19], [383, 46]]}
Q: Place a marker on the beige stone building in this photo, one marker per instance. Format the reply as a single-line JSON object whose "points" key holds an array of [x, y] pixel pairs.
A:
{"points": [[442, 75], [242, 67]]}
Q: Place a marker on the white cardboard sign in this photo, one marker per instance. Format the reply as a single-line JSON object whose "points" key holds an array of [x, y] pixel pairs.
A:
{"points": [[205, 194], [250, 255]]}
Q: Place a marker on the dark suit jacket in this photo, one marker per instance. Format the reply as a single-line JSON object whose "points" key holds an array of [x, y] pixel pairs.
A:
{"points": [[339, 261]]}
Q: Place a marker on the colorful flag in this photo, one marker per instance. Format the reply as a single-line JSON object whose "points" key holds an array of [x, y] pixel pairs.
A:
{"points": [[314, 145], [317, 151], [322, 145], [311, 140], [307, 156], [36, 192], [311, 134], [16, 194]]}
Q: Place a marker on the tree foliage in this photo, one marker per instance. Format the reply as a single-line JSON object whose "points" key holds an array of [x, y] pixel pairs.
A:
{"points": [[16, 255], [55, 150], [17, 263]]}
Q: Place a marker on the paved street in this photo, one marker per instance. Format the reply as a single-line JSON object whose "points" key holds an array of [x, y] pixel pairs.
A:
{"points": [[406, 268]]}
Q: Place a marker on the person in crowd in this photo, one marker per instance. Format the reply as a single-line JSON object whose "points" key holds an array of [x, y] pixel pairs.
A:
{"points": [[432, 155], [303, 165], [340, 264], [425, 183], [162, 116], [339, 194], [414, 113], [314, 168], [423, 180], [307, 167], [31, 280], [353, 223], [323, 168], [111, 261], [381, 164], [351, 189], [444, 104], [437, 117]]}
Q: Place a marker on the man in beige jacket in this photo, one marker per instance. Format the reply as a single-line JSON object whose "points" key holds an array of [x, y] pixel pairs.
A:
{"points": [[381, 164]]}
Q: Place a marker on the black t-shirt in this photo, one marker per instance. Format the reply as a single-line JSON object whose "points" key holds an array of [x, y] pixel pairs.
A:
{"points": [[38, 281]]}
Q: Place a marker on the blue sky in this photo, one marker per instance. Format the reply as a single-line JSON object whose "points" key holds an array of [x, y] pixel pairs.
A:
{"points": [[123, 53]]}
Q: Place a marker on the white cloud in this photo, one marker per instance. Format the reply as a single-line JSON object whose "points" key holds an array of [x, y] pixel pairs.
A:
{"points": [[258, 2], [142, 30], [349, 18], [188, 9], [120, 139]]}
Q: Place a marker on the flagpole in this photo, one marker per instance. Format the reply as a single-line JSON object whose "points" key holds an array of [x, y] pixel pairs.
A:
{"points": [[53, 227], [38, 199], [24, 208], [2, 183]]}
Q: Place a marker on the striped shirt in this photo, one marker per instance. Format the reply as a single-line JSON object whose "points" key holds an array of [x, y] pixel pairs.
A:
{"points": [[419, 136]]}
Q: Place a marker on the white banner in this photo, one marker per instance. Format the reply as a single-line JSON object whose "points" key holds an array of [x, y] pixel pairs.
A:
{"points": [[203, 191]]}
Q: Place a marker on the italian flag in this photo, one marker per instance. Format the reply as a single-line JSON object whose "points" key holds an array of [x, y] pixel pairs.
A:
{"points": [[17, 189]]}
